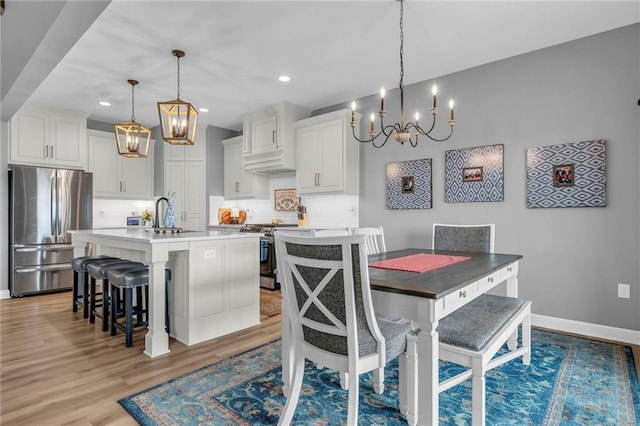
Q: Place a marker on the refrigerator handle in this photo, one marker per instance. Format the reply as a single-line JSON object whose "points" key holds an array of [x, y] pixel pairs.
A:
{"points": [[53, 205]]}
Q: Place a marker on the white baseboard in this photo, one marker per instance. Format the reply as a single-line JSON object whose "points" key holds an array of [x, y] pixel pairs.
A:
{"points": [[587, 329], [5, 294]]}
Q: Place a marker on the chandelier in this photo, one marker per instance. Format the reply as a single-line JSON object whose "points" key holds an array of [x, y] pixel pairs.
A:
{"points": [[402, 132], [178, 119], [132, 138]]}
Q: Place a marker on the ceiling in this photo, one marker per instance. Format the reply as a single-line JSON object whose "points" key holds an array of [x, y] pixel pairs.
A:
{"points": [[334, 51]]}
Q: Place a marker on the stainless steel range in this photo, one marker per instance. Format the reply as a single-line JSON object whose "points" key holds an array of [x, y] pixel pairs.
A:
{"points": [[268, 263]]}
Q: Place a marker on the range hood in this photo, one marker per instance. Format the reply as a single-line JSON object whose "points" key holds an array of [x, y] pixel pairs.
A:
{"points": [[267, 163]]}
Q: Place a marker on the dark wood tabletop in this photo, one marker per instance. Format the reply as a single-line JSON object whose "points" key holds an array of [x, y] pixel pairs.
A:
{"points": [[438, 282]]}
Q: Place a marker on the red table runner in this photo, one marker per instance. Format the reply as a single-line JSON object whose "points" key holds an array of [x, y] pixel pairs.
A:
{"points": [[421, 262]]}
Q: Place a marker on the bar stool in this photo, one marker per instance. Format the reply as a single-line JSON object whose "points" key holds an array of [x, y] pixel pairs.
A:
{"points": [[98, 271], [81, 289], [127, 281]]}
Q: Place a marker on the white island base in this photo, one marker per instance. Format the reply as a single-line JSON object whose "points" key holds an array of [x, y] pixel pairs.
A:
{"points": [[214, 289]]}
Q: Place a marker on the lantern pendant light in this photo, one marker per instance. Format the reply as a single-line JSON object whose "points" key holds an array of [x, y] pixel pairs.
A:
{"points": [[178, 119], [132, 138]]}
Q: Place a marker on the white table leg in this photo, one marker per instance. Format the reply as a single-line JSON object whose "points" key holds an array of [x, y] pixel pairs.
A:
{"points": [[512, 291], [156, 340], [428, 353]]}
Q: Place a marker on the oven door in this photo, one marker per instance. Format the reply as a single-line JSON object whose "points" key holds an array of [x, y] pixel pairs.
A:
{"points": [[268, 263]]}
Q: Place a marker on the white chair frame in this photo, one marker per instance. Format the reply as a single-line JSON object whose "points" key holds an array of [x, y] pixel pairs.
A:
{"points": [[374, 236], [354, 364]]}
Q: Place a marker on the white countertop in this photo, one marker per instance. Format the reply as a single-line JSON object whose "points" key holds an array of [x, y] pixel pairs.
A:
{"points": [[148, 235]]}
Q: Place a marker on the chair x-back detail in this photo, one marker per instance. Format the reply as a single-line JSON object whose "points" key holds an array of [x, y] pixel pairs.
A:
{"points": [[325, 283]]}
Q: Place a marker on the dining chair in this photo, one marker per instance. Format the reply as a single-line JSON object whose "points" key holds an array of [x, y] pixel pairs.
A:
{"points": [[471, 238], [374, 237], [330, 232], [472, 335], [325, 283]]}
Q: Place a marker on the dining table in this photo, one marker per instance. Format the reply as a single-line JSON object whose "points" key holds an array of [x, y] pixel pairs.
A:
{"points": [[424, 298]]}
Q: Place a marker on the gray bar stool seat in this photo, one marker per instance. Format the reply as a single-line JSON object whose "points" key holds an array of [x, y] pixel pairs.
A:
{"points": [[81, 282], [127, 281], [98, 271]]}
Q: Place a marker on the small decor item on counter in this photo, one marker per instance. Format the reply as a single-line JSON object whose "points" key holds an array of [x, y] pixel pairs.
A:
{"points": [[147, 217], [224, 216], [170, 217], [235, 212], [302, 214]]}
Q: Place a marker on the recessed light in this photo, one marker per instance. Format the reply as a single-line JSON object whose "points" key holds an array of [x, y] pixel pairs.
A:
{"points": [[104, 103], [284, 78], [203, 109]]}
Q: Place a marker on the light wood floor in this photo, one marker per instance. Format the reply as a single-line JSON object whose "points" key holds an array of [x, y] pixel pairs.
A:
{"points": [[57, 369]]}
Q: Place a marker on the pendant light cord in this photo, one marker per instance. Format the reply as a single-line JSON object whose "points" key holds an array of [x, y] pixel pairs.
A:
{"points": [[133, 97], [178, 77], [402, 129]]}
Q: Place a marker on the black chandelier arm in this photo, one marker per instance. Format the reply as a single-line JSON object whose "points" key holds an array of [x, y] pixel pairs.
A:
{"points": [[372, 140], [440, 140]]}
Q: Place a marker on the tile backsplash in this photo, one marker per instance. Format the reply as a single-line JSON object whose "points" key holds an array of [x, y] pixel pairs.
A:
{"points": [[113, 213], [322, 210]]}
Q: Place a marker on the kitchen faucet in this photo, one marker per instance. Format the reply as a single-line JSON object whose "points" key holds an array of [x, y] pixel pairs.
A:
{"points": [[156, 220]]}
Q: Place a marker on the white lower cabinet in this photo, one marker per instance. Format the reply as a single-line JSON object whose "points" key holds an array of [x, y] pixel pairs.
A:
{"points": [[187, 180], [115, 176], [214, 289]]}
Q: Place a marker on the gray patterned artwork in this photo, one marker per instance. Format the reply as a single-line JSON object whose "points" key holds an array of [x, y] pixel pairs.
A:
{"points": [[409, 184], [474, 174], [567, 175]]}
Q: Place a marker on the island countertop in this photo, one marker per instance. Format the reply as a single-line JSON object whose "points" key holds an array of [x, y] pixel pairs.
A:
{"points": [[149, 236]]}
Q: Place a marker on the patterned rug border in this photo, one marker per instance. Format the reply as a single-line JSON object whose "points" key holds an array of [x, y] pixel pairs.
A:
{"points": [[227, 381], [140, 415]]}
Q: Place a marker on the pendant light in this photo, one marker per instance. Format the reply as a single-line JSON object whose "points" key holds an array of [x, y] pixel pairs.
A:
{"points": [[132, 138], [178, 119]]}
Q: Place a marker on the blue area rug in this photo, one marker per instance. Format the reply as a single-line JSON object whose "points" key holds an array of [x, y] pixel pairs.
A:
{"points": [[571, 381]]}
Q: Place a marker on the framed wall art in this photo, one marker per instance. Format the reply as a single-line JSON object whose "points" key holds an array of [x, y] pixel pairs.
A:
{"points": [[285, 200], [567, 175], [474, 174], [408, 184]]}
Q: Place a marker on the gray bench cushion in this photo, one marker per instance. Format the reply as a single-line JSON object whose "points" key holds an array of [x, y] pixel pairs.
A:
{"points": [[476, 323]]}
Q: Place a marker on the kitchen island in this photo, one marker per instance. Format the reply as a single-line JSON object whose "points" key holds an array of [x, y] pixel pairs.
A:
{"points": [[215, 279]]}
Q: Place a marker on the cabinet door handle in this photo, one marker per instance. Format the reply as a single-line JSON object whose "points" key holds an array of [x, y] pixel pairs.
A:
{"points": [[462, 294], [120, 186], [273, 137], [50, 151], [237, 187]]}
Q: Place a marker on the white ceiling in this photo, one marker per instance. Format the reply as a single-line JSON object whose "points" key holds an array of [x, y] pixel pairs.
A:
{"points": [[334, 51]]}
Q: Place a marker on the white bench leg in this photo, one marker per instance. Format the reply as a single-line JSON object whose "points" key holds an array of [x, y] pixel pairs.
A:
{"points": [[478, 393], [526, 339]]}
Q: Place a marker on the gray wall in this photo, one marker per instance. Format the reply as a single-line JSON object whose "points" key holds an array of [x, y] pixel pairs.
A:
{"points": [[583, 90]]}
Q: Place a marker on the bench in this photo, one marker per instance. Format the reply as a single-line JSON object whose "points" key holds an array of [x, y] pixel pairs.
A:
{"points": [[472, 336]]}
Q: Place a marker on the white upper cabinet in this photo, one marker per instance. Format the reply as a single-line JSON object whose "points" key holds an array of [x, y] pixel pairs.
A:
{"points": [[115, 176], [328, 156], [269, 144], [239, 184], [185, 174], [51, 138], [187, 180], [195, 152]]}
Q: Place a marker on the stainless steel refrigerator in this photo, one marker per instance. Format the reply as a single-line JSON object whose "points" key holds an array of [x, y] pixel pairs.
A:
{"points": [[43, 205]]}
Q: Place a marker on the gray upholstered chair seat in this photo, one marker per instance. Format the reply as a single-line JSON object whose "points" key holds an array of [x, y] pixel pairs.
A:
{"points": [[128, 278], [476, 323]]}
